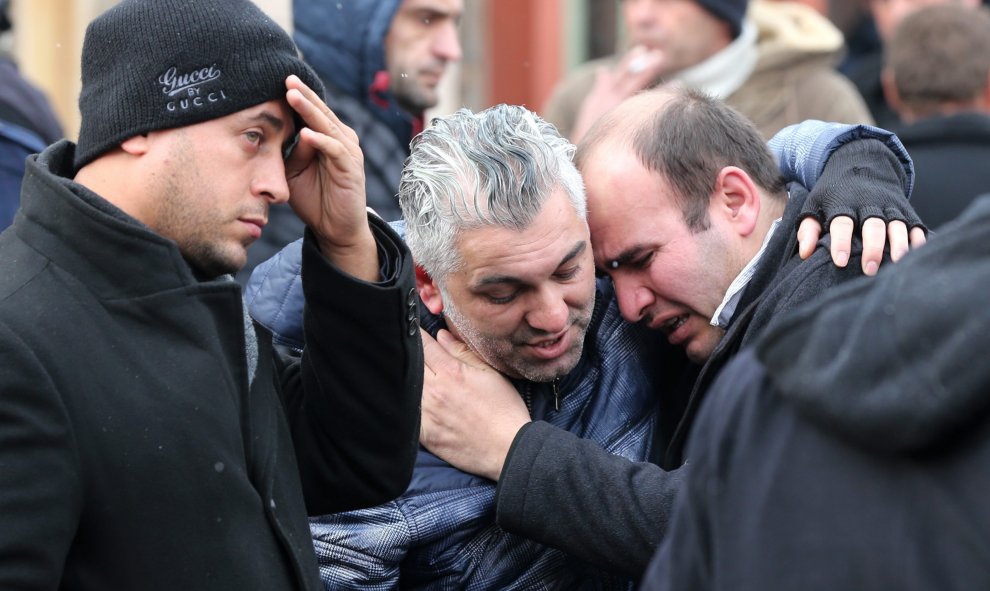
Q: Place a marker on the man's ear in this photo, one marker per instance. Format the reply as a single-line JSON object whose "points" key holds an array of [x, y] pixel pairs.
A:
{"points": [[890, 94], [737, 200], [136, 146], [428, 291]]}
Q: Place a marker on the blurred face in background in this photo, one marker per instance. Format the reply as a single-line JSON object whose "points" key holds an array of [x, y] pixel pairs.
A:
{"points": [[686, 33], [420, 42]]}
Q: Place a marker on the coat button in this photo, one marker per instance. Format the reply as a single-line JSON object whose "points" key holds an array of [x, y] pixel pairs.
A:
{"points": [[412, 312]]}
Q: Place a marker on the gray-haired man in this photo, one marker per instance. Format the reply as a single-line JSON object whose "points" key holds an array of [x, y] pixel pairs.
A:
{"points": [[495, 214]]}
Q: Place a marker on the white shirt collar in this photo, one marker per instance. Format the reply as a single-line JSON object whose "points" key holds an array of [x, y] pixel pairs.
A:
{"points": [[727, 309]]}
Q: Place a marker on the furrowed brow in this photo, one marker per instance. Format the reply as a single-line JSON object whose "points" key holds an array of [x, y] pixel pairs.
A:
{"points": [[276, 122], [574, 253], [513, 280], [622, 259]]}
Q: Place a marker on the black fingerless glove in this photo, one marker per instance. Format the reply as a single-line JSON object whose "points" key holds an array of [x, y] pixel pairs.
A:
{"points": [[863, 179]]}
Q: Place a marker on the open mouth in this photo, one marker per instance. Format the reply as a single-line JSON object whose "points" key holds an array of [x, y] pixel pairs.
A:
{"points": [[673, 324], [548, 344], [550, 349]]}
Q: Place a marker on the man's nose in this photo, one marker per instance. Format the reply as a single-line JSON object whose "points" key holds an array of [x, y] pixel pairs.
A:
{"points": [[447, 44], [550, 312], [641, 13], [634, 298], [270, 182]]}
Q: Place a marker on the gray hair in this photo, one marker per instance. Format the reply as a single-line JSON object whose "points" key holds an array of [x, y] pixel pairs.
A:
{"points": [[467, 171]]}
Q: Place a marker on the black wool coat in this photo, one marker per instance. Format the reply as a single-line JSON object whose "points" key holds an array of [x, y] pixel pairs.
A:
{"points": [[134, 454]]}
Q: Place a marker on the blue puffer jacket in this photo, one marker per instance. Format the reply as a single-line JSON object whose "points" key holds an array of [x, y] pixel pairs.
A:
{"points": [[16, 144], [441, 533], [344, 41]]}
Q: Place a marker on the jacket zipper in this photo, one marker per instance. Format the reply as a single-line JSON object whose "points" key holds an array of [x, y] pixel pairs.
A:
{"points": [[527, 395]]}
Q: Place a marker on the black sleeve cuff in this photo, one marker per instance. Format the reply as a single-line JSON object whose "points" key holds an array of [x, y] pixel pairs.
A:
{"points": [[392, 251]]}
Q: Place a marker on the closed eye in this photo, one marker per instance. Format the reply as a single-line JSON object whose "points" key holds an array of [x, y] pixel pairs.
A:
{"points": [[502, 299], [567, 274], [642, 262]]}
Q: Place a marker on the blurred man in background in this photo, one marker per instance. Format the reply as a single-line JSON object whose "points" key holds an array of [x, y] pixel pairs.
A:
{"points": [[937, 77], [774, 64], [865, 73]]}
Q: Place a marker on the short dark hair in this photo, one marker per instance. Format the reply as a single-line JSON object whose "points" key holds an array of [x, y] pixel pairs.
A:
{"points": [[940, 54], [5, 23], [690, 138]]}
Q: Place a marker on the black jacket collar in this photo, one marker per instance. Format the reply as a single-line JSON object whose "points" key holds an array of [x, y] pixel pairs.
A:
{"points": [[87, 235]]}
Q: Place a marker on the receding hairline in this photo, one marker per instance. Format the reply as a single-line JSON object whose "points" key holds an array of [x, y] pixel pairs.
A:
{"points": [[617, 127]]}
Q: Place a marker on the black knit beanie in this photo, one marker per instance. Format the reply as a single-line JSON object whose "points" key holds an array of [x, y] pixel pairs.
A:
{"points": [[730, 11], [159, 64]]}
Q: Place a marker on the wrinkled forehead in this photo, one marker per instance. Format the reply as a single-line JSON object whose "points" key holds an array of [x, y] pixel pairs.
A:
{"points": [[528, 255]]}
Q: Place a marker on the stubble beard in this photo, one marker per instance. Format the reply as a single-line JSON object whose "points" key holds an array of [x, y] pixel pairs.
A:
{"points": [[411, 96], [502, 353], [197, 232]]}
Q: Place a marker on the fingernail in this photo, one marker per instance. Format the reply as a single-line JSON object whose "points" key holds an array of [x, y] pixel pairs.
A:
{"points": [[871, 268], [842, 258]]}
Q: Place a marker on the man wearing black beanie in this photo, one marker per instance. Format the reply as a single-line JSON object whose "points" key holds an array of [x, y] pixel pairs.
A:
{"points": [[150, 438]]}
